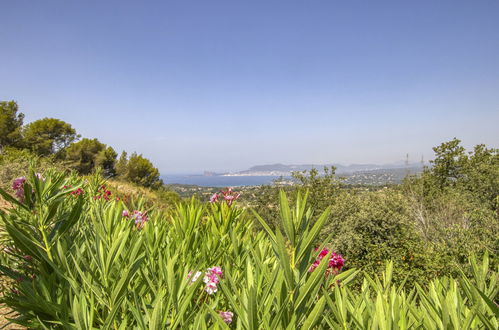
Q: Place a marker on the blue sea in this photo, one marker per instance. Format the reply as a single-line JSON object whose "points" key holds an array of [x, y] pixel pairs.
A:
{"points": [[218, 181]]}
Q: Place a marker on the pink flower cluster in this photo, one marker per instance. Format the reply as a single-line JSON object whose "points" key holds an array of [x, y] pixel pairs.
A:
{"points": [[211, 278], [18, 186], [76, 192], [226, 316], [336, 262], [227, 195], [139, 217], [103, 193]]}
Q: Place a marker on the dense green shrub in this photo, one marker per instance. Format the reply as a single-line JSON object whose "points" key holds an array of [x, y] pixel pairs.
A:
{"points": [[372, 227]]}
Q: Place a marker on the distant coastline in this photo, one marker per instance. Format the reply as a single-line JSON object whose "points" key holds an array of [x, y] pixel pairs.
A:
{"points": [[282, 170], [358, 174]]}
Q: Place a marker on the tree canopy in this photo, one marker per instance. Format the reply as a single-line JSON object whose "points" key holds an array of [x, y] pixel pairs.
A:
{"points": [[85, 155], [139, 170], [10, 124], [51, 136], [48, 136]]}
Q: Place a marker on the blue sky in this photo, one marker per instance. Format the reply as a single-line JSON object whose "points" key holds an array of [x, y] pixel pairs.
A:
{"points": [[224, 85]]}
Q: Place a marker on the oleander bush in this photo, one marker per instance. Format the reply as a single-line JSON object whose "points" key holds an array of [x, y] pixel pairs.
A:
{"points": [[79, 257]]}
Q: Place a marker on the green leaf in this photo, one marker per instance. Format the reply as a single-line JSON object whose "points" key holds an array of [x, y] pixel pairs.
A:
{"points": [[315, 315]]}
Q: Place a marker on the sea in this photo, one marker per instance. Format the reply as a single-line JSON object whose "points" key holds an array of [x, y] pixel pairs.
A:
{"points": [[218, 181]]}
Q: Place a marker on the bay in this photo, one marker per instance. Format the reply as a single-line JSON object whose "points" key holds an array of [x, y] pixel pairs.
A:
{"points": [[218, 181]]}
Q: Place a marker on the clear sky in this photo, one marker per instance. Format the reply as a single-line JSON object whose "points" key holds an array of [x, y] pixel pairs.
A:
{"points": [[224, 85]]}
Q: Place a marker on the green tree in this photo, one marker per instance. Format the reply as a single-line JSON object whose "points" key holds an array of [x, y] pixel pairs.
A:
{"points": [[139, 170], [49, 136], [85, 155], [475, 173], [10, 124], [107, 160], [481, 174], [448, 162], [121, 164]]}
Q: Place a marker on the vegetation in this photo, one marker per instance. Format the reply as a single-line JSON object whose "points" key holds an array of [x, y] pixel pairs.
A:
{"points": [[139, 170], [48, 136], [79, 259], [10, 124], [55, 139], [86, 155]]}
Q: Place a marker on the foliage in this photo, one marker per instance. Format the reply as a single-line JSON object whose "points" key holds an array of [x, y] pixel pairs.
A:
{"points": [[428, 226], [48, 136], [454, 205], [87, 154], [322, 188], [53, 137], [476, 172], [85, 262], [139, 170], [15, 162], [448, 162], [10, 124], [372, 227]]}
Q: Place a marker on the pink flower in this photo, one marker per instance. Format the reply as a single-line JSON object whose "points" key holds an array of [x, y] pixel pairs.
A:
{"points": [[104, 193], [335, 263], [18, 183], [213, 275], [125, 214], [214, 198], [211, 278], [211, 288], [40, 176], [230, 196], [216, 270], [226, 316], [323, 253], [140, 218], [18, 186], [77, 192]]}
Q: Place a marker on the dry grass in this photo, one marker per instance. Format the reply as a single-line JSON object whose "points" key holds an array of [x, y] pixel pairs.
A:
{"points": [[6, 312], [4, 323]]}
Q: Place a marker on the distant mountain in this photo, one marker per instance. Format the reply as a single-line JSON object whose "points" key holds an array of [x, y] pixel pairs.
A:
{"points": [[286, 170]]}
